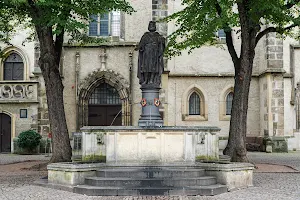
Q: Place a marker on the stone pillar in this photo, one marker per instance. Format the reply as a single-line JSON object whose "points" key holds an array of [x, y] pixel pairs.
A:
{"points": [[278, 105], [150, 116], [275, 85], [273, 97], [297, 101]]}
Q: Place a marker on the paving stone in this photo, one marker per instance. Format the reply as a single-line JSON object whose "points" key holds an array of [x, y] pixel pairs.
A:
{"points": [[271, 186], [15, 158]]}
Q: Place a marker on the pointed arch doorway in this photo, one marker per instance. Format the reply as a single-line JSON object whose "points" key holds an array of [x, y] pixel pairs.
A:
{"points": [[105, 107], [121, 93], [5, 133]]}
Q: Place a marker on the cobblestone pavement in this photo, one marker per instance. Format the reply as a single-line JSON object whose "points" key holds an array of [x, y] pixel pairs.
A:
{"points": [[291, 159], [14, 158], [271, 186]]}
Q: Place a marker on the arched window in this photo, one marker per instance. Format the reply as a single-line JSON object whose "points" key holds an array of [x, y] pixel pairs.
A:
{"points": [[13, 67], [229, 99], [105, 95], [194, 104]]}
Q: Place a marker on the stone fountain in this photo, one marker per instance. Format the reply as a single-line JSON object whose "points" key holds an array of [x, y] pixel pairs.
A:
{"points": [[149, 159]]}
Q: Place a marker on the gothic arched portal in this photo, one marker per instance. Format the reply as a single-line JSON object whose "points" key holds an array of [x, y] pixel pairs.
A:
{"points": [[105, 107], [104, 100]]}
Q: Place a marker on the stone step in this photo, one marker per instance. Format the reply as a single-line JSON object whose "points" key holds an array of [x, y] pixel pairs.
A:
{"points": [[135, 191], [150, 172], [209, 190], [150, 182]]}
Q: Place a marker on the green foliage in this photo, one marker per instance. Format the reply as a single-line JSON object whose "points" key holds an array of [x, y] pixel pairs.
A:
{"points": [[81, 39], [205, 158], [199, 20], [61, 15], [94, 158], [29, 140]]}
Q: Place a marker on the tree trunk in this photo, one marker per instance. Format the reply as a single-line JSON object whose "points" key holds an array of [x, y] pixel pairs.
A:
{"points": [[236, 147], [49, 63]]}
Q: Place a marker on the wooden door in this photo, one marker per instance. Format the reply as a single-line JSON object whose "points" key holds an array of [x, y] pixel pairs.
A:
{"points": [[5, 133], [105, 107], [105, 115], [114, 115]]}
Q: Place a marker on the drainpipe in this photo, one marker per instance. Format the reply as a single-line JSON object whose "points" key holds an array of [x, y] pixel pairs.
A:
{"points": [[130, 85], [292, 71], [77, 68]]}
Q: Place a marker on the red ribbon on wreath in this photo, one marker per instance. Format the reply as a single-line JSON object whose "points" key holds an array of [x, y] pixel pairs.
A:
{"points": [[156, 102], [143, 102]]}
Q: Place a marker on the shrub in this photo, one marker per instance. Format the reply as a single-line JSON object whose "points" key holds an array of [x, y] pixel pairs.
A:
{"points": [[29, 140]]}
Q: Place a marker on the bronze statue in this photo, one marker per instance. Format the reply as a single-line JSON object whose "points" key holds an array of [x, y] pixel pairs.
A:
{"points": [[151, 51]]}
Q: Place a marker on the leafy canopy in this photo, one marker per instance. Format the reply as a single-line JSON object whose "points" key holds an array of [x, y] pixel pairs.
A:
{"points": [[199, 20], [62, 15]]}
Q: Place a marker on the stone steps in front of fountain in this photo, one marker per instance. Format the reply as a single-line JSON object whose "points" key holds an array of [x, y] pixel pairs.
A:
{"points": [[210, 190], [133, 181], [151, 172], [150, 182]]}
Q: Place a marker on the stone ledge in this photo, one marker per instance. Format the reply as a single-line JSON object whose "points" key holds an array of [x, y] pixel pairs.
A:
{"points": [[272, 70], [226, 166], [153, 129], [74, 167], [103, 44], [233, 175], [17, 101]]}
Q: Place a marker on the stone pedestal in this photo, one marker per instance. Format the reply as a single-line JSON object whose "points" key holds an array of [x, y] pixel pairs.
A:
{"points": [[166, 144], [150, 116]]}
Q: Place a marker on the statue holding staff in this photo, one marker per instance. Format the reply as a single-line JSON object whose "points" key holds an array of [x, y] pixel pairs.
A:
{"points": [[151, 51]]}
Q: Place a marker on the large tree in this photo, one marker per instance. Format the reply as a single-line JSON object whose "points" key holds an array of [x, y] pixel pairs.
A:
{"points": [[197, 24], [51, 19]]}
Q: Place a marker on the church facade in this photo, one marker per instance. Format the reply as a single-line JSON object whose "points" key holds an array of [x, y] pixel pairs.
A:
{"points": [[101, 87]]}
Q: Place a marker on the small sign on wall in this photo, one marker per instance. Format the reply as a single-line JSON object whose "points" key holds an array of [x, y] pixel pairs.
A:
{"points": [[23, 113]]}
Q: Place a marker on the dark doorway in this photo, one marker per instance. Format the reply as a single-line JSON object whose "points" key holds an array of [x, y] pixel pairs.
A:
{"points": [[5, 133], [105, 107]]}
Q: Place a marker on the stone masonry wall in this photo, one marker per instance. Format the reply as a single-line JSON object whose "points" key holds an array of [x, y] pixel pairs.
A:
{"points": [[272, 85], [278, 105], [274, 54]]}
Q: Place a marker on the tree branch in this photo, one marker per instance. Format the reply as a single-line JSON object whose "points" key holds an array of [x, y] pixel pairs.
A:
{"points": [[229, 40], [278, 30], [219, 9], [230, 46], [273, 29], [58, 44], [34, 11], [291, 4]]}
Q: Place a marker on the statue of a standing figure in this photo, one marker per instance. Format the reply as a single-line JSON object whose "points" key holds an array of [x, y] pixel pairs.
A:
{"points": [[151, 51]]}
